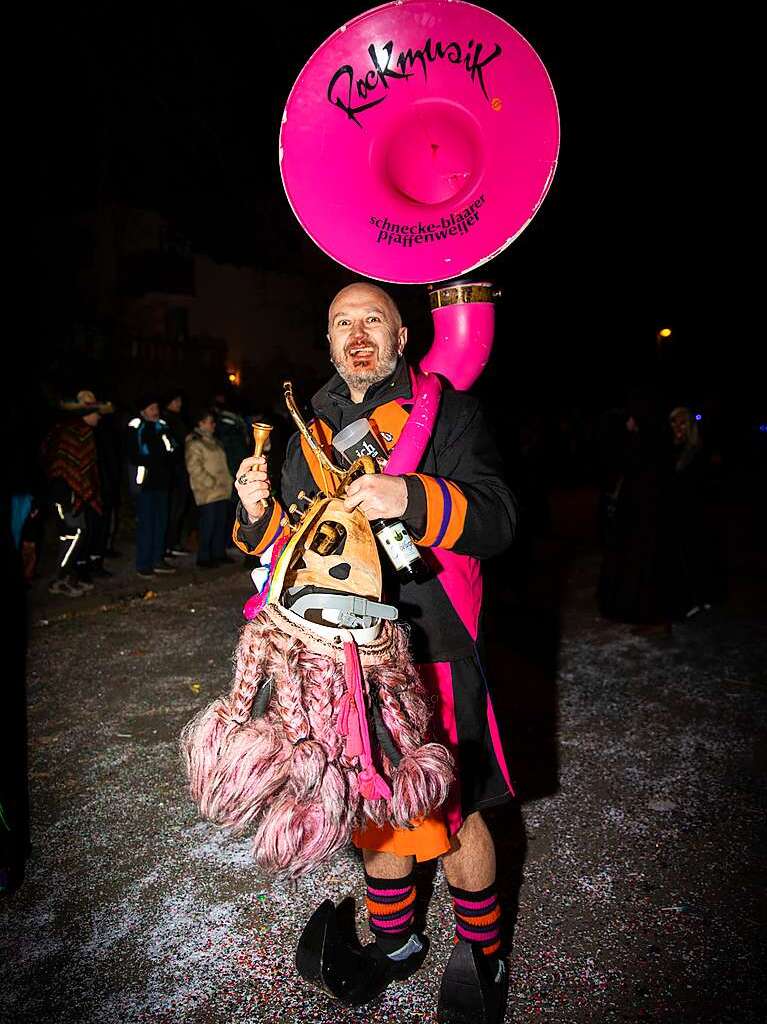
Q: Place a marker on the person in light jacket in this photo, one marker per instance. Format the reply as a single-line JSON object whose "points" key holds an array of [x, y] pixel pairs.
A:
{"points": [[211, 484]]}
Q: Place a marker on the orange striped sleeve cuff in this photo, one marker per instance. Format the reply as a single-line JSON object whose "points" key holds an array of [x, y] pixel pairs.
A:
{"points": [[269, 536], [446, 508]]}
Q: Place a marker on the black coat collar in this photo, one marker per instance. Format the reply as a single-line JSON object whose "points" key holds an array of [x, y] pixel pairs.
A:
{"points": [[333, 403]]}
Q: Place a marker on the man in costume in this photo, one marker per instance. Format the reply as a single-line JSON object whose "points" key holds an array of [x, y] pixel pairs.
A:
{"points": [[456, 504]]}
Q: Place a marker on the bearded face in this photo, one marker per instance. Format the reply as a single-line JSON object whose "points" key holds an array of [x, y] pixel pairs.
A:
{"points": [[366, 336]]}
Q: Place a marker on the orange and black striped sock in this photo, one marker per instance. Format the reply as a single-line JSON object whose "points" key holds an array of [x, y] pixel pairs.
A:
{"points": [[391, 908], [478, 918]]}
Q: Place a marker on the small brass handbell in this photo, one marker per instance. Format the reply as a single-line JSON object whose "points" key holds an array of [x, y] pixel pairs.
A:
{"points": [[261, 432]]}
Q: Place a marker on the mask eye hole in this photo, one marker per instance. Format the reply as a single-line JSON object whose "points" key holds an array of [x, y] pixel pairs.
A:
{"points": [[340, 571], [329, 538]]}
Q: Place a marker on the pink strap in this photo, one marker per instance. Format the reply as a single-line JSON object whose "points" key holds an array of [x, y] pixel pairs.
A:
{"points": [[459, 575], [415, 436], [353, 723]]}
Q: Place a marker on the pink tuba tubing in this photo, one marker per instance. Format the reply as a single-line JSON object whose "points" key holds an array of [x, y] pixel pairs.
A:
{"points": [[464, 321], [463, 338], [409, 450]]}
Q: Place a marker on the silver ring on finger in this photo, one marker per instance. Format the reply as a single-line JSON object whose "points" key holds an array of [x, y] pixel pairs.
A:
{"points": [[242, 479]]}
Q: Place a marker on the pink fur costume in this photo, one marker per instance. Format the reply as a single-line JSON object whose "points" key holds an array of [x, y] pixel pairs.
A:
{"points": [[275, 757]]}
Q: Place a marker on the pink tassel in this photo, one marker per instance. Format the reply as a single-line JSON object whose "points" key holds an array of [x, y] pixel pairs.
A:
{"points": [[372, 785], [254, 604]]}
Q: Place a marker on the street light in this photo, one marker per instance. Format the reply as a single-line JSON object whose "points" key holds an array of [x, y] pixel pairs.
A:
{"points": [[664, 332]]}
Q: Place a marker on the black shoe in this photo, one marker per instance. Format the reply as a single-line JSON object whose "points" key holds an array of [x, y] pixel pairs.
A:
{"points": [[470, 992], [206, 564], [164, 568], [101, 573], [353, 976], [146, 573], [225, 560]]}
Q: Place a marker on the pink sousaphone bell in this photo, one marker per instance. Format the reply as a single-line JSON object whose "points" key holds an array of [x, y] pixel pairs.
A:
{"points": [[417, 143]]}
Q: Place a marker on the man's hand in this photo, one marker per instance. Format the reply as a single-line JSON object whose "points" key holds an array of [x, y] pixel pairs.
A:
{"points": [[378, 496], [253, 487]]}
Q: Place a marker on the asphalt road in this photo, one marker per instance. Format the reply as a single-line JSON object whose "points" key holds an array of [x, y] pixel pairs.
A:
{"points": [[631, 870]]}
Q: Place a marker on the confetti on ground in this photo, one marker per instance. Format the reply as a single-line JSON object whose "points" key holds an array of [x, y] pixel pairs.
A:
{"points": [[628, 874]]}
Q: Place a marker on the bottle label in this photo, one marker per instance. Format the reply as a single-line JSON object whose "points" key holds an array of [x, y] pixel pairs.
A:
{"points": [[398, 545]]}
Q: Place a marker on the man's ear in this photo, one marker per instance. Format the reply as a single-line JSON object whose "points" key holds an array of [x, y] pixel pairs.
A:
{"points": [[401, 340]]}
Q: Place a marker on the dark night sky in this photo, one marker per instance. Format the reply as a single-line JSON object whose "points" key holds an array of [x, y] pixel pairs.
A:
{"points": [[179, 110]]}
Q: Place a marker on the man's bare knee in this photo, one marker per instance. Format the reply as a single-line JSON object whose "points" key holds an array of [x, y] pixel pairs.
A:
{"points": [[386, 865], [470, 864]]}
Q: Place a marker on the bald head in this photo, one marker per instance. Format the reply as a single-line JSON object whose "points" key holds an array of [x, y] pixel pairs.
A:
{"points": [[366, 336], [364, 291]]}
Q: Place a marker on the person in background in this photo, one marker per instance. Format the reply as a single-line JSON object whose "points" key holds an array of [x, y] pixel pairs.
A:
{"points": [[150, 453], [179, 491], [211, 483], [633, 579], [71, 463], [232, 432], [109, 463], [27, 488], [690, 576]]}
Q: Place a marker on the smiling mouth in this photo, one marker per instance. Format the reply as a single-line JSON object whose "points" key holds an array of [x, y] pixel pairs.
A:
{"points": [[362, 353]]}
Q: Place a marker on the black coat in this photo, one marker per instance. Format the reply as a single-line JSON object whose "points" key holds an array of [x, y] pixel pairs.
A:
{"points": [[480, 522], [151, 453]]}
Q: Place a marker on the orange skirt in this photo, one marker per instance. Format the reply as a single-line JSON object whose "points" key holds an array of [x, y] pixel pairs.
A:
{"points": [[426, 840]]}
